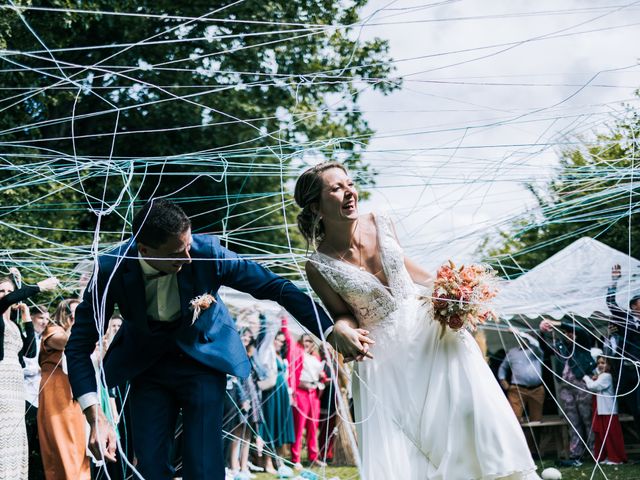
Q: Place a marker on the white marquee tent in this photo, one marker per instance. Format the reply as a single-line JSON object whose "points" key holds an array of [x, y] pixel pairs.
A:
{"points": [[574, 281]]}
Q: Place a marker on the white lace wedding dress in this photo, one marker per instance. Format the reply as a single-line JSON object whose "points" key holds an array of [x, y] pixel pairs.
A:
{"points": [[427, 407]]}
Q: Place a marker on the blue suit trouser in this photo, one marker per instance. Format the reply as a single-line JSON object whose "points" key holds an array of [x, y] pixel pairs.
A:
{"points": [[178, 382]]}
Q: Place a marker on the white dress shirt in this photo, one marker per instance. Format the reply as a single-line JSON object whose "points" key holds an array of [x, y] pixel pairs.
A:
{"points": [[162, 294]]}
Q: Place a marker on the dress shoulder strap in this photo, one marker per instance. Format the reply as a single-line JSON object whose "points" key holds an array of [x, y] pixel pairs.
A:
{"points": [[385, 227]]}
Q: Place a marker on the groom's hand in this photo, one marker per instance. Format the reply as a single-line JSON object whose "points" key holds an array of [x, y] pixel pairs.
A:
{"points": [[352, 343], [102, 438]]}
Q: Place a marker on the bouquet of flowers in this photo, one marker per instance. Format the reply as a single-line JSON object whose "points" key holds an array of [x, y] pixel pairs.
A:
{"points": [[460, 295]]}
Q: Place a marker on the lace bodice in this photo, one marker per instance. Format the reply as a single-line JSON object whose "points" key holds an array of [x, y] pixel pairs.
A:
{"points": [[372, 302]]}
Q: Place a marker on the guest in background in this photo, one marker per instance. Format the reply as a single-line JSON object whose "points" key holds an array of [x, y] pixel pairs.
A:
{"points": [[609, 442], [624, 342], [236, 406], [525, 391], [277, 429], [247, 413], [572, 347], [328, 399], [343, 446], [40, 319], [495, 360], [115, 322], [61, 424], [99, 469], [295, 360], [14, 345], [306, 407]]}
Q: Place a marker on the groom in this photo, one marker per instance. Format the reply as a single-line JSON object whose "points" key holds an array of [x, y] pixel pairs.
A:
{"points": [[172, 359]]}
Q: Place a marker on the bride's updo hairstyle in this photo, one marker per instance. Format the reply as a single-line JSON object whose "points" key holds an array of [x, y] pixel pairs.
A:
{"points": [[307, 192]]}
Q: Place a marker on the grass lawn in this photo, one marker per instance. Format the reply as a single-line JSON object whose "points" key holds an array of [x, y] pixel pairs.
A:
{"points": [[622, 472], [343, 473], [609, 472]]}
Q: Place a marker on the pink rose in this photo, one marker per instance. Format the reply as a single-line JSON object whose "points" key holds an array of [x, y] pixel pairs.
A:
{"points": [[455, 322], [440, 304]]}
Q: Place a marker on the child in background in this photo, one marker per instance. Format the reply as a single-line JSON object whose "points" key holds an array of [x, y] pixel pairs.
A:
{"points": [[609, 442]]}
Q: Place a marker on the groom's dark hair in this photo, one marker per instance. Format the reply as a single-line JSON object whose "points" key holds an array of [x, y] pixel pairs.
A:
{"points": [[157, 221]]}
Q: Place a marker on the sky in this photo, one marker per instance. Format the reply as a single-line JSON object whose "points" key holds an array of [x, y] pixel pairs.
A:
{"points": [[492, 92]]}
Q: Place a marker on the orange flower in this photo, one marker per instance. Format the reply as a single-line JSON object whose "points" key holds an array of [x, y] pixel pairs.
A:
{"points": [[465, 293]]}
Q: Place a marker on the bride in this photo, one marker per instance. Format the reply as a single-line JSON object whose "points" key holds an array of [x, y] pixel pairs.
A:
{"points": [[427, 406]]}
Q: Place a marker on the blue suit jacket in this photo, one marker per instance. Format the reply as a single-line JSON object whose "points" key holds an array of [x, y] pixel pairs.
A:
{"points": [[212, 340]]}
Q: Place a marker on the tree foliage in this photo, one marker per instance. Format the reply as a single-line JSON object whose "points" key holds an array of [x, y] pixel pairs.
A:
{"points": [[208, 101], [595, 192]]}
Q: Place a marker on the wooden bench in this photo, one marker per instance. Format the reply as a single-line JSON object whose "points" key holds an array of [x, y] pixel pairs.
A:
{"points": [[552, 434]]}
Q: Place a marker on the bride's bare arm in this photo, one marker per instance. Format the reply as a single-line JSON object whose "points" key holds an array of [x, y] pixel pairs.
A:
{"points": [[418, 274], [346, 337], [333, 302]]}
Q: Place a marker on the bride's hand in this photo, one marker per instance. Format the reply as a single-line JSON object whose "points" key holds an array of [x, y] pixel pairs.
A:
{"points": [[352, 343]]}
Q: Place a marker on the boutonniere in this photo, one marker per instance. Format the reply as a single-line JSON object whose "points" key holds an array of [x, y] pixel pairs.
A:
{"points": [[200, 304]]}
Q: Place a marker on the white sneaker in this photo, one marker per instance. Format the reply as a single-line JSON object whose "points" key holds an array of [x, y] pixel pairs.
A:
{"points": [[285, 472], [609, 462], [255, 468]]}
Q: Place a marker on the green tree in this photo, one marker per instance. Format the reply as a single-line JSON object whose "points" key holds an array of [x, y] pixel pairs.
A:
{"points": [[595, 193], [213, 102]]}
